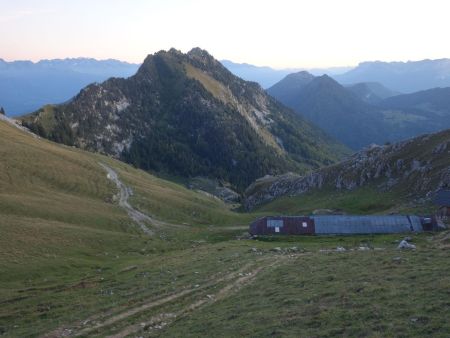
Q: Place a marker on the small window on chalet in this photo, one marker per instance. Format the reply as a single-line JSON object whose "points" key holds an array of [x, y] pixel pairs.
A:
{"points": [[274, 223]]}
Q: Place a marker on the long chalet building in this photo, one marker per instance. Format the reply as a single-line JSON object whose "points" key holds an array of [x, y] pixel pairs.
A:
{"points": [[341, 225]]}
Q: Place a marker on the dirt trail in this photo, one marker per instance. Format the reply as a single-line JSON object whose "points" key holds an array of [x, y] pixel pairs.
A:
{"points": [[124, 194]]}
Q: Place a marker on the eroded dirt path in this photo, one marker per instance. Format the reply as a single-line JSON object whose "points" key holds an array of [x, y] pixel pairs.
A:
{"points": [[124, 194]]}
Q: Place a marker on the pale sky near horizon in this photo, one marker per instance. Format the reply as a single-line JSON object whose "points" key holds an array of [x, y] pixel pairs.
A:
{"points": [[280, 34]]}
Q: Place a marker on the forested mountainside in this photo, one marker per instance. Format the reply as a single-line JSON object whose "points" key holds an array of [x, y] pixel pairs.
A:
{"points": [[187, 115]]}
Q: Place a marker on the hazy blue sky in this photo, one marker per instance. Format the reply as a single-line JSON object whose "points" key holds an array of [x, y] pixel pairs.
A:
{"points": [[281, 33]]}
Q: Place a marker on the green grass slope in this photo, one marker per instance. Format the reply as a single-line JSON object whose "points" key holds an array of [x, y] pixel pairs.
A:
{"points": [[59, 226], [73, 264]]}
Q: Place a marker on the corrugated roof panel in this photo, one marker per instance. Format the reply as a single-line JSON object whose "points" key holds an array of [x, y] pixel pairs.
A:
{"points": [[342, 224]]}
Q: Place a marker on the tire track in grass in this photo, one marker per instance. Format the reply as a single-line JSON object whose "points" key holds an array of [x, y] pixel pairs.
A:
{"points": [[236, 280], [161, 320]]}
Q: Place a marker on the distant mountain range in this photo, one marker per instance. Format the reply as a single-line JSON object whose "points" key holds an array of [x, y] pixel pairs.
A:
{"points": [[25, 86], [405, 77], [363, 113], [187, 115], [267, 76], [399, 77]]}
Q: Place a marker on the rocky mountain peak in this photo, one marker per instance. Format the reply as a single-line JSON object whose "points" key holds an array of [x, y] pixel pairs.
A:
{"points": [[187, 115], [174, 51], [197, 52], [205, 61]]}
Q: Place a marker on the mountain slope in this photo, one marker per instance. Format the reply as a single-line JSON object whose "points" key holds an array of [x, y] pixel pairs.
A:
{"points": [[333, 108], [405, 77], [287, 89], [74, 264], [69, 251], [47, 181], [25, 86], [436, 100], [186, 115], [337, 111], [371, 92], [412, 169], [359, 116], [421, 112]]}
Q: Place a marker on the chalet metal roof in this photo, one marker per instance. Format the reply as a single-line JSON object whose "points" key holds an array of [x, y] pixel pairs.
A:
{"points": [[442, 198], [343, 224]]}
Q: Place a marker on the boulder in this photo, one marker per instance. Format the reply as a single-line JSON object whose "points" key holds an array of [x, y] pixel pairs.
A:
{"points": [[405, 245]]}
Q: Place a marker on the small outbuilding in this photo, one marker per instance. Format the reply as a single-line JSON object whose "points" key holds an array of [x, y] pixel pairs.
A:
{"points": [[340, 225]]}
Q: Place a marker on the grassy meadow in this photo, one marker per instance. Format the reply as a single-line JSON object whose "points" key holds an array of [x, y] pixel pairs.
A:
{"points": [[73, 264]]}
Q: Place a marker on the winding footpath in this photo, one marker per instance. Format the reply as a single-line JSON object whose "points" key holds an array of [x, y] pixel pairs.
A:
{"points": [[124, 194]]}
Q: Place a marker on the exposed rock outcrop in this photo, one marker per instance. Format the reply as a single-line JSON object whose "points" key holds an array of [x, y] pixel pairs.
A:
{"points": [[417, 167]]}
